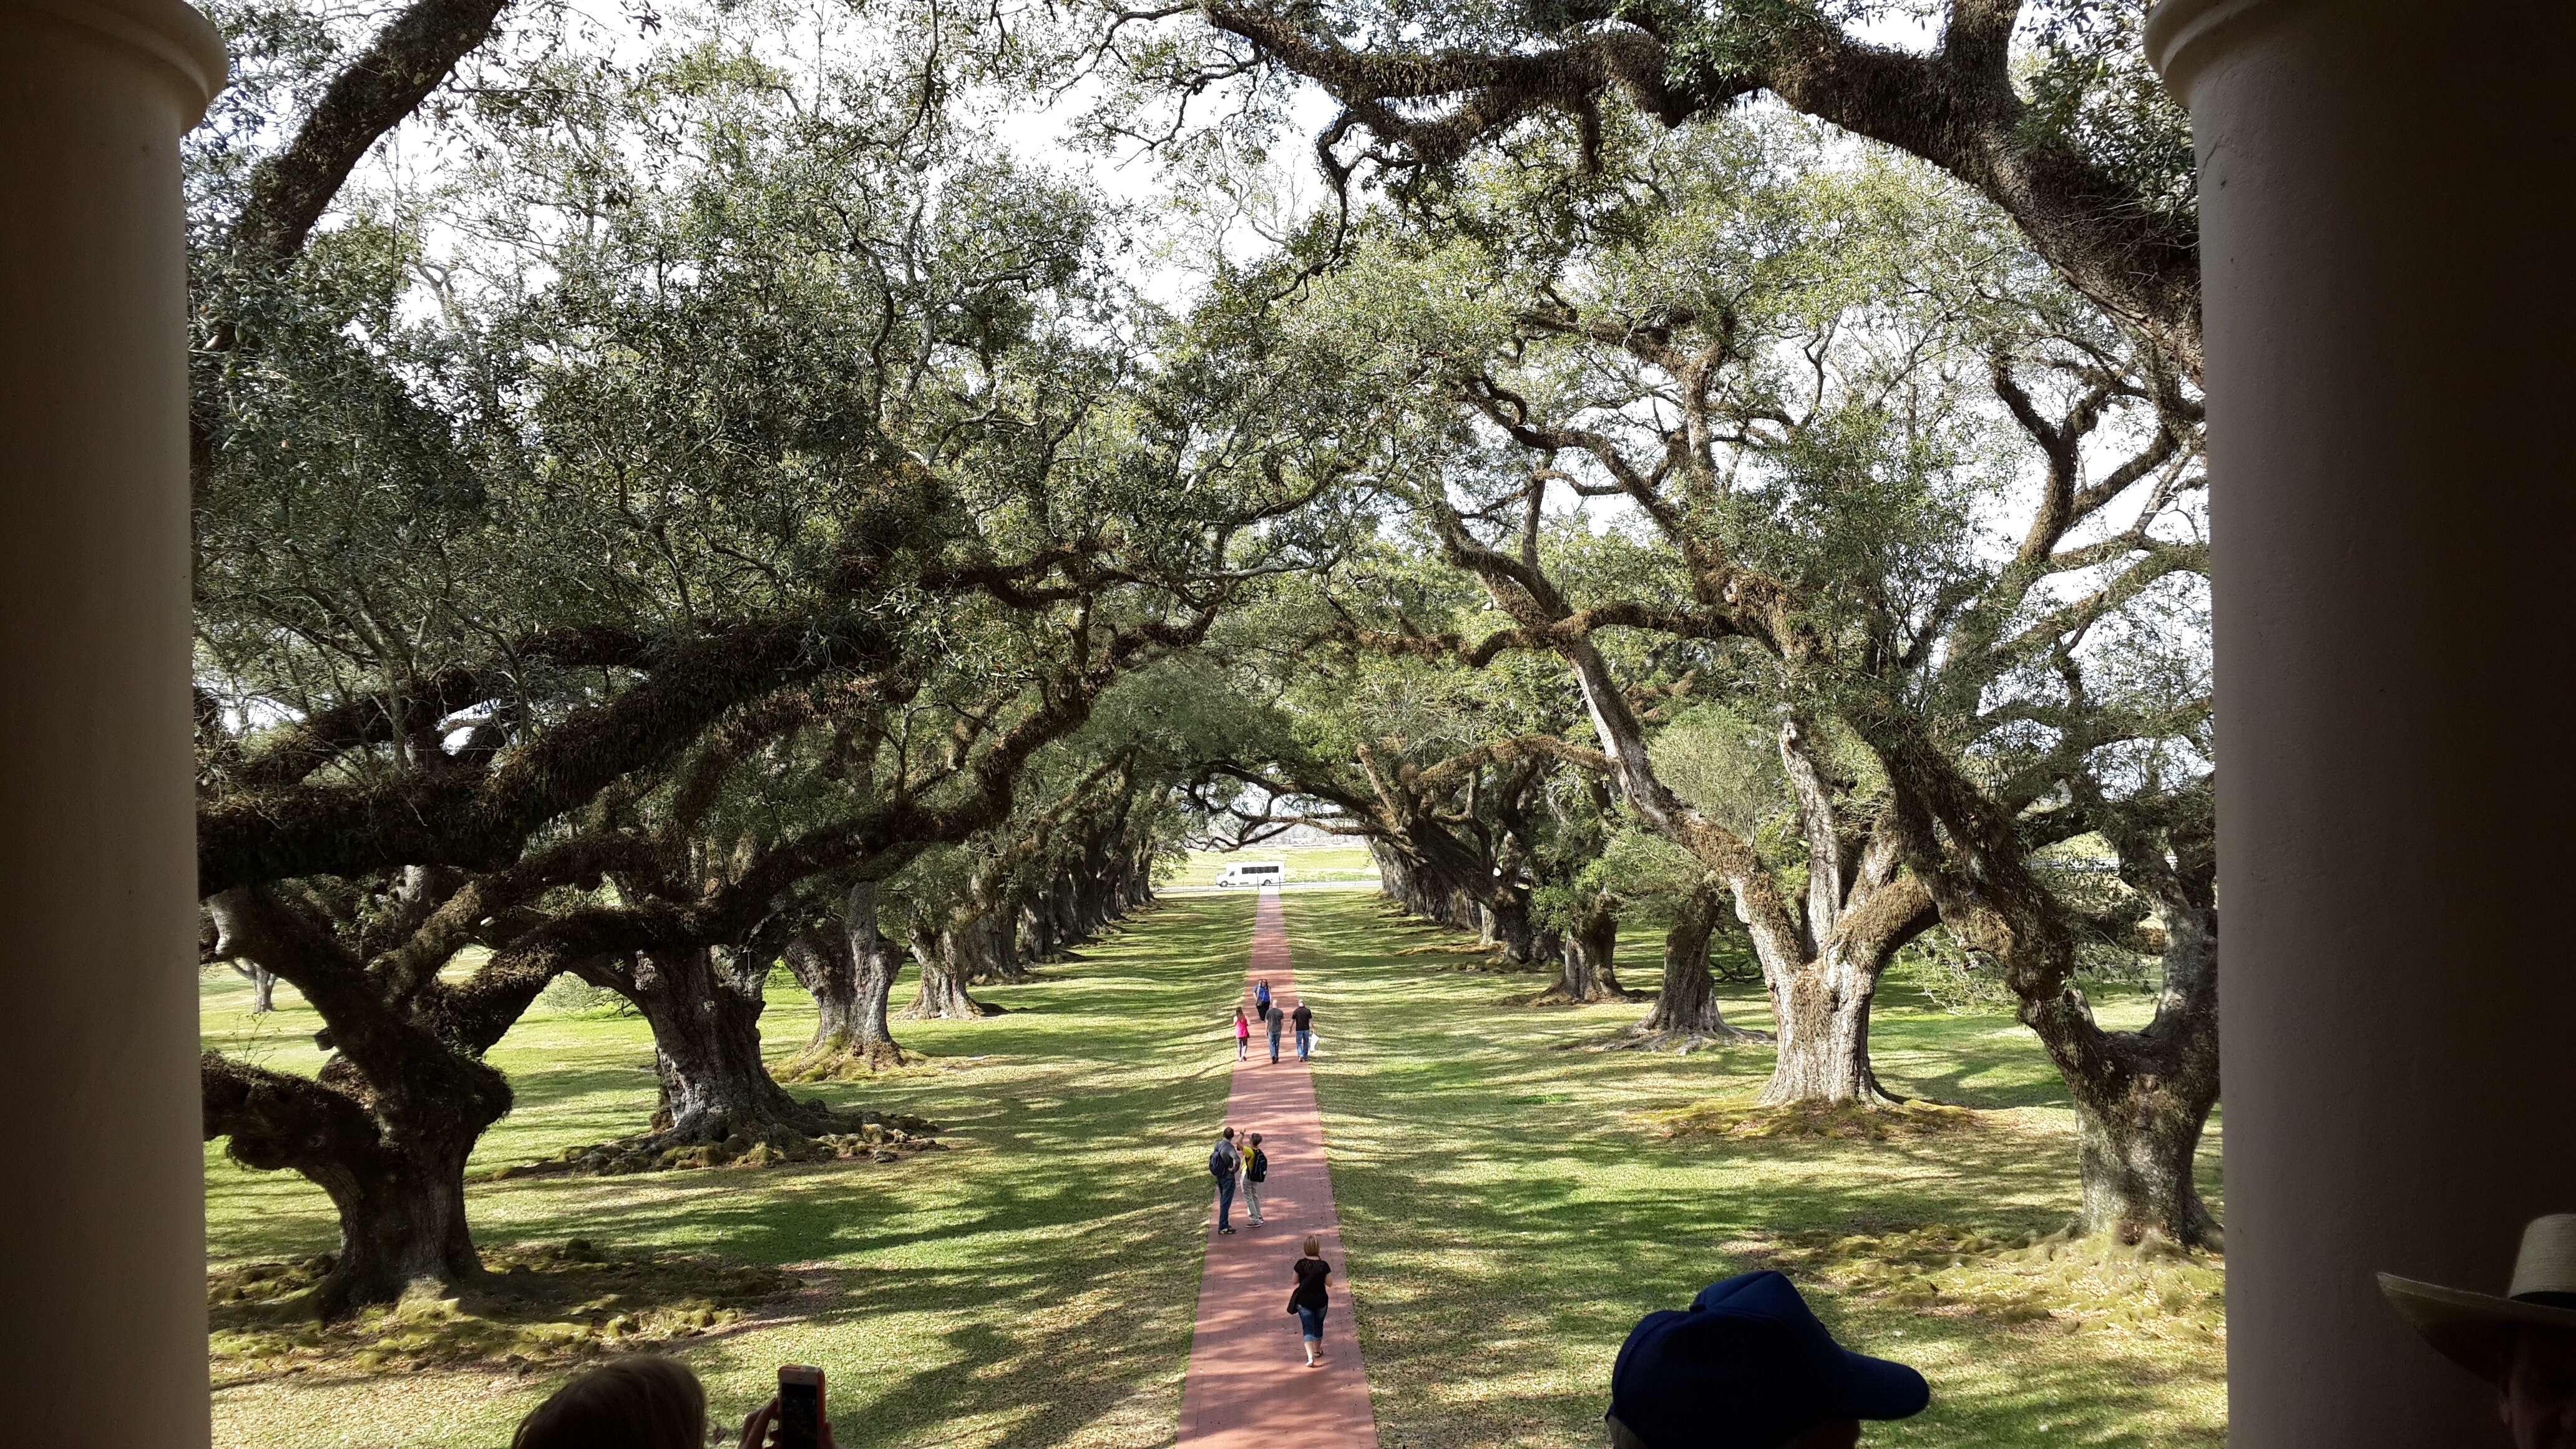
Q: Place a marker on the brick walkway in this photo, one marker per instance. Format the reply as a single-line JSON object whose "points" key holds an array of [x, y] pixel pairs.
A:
{"points": [[1248, 1383]]}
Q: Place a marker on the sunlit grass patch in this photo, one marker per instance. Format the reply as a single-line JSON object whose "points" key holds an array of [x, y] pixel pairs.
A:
{"points": [[543, 1303], [1032, 1285], [1841, 1121], [1511, 1209], [2152, 1291]]}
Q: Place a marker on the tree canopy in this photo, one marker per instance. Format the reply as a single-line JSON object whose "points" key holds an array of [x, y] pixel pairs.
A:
{"points": [[678, 502]]}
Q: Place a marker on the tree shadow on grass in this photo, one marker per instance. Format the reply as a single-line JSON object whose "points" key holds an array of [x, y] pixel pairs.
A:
{"points": [[1522, 1200], [1060, 1237], [537, 1304]]}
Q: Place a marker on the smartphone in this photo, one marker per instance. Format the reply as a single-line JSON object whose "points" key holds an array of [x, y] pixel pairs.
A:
{"points": [[800, 1407]]}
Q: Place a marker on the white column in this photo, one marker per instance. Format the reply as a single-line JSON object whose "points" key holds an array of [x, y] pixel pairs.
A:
{"points": [[102, 1229], [2388, 241]]}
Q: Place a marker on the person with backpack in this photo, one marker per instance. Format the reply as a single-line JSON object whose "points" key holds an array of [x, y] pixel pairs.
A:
{"points": [[1224, 1164], [1274, 1018], [1304, 1016], [1256, 1170]]}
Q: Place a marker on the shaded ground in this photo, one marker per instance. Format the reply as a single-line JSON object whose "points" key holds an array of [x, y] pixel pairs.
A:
{"points": [[1032, 1286], [1510, 1210], [1536, 1202]]}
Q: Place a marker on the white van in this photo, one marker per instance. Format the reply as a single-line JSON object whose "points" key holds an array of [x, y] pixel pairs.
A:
{"points": [[1267, 873]]}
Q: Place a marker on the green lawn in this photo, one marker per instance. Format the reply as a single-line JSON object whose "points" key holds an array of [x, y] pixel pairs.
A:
{"points": [[1510, 1208], [1032, 1286], [1513, 1203], [1304, 862]]}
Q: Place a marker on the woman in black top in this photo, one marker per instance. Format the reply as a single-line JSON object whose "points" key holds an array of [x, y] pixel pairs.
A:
{"points": [[1309, 1299]]}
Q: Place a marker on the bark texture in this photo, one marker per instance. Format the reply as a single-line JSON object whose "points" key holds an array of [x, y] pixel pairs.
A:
{"points": [[1588, 956], [386, 1126], [2141, 1097], [1686, 1013], [943, 995], [852, 983]]}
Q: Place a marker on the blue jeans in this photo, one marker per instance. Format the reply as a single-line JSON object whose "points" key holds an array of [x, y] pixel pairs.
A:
{"points": [[1225, 1201], [1305, 1041], [1274, 1043], [1312, 1321]]}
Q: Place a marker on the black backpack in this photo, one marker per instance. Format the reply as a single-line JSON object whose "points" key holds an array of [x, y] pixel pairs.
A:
{"points": [[1217, 1165]]}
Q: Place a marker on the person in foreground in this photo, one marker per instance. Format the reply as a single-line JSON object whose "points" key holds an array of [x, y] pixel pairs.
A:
{"points": [[1747, 1366], [645, 1402], [1309, 1298], [2524, 1343]]}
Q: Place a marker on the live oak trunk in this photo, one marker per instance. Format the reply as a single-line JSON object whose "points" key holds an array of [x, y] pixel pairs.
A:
{"points": [[991, 944], [706, 1041], [943, 995], [1064, 929], [2142, 1098], [402, 1225], [1686, 1014], [263, 987], [852, 982], [1587, 955], [1037, 930], [1822, 1009], [399, 1193], [1509, 930], [385, 1127], [1821, 963]]}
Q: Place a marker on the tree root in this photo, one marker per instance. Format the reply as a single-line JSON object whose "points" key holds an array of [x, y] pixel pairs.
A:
{"points": [[1832, 1121], [816, 1134], [976, 1012], [837, 1061], [536, 1304], [1557, 995], [1681, 1041]]}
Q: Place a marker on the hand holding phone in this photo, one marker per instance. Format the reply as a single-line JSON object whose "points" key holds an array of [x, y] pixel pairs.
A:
{"points": [[793, 1420], [800, 1407]]}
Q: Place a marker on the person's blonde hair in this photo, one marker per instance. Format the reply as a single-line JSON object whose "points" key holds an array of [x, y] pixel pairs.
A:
{"points": [[647, 1402], [1313, 1247]]}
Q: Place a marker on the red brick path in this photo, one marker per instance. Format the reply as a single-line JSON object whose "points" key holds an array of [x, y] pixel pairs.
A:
{"points": [[1248, 1383]]}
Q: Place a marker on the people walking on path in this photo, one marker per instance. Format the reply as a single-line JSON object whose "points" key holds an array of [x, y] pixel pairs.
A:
{"points": [[1309, 1298], [1275, 1019], [1256, 1170], [1261, 995], [1225, 1164], [1304, 1016], [1230, 1397], [1242, 1036]]}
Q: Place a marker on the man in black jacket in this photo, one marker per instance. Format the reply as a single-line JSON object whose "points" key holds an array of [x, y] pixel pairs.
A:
{"points": [[1225, 1164]]}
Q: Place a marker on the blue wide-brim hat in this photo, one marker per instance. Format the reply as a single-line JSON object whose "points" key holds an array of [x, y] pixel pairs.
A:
{"points": [[1747, 1366]]}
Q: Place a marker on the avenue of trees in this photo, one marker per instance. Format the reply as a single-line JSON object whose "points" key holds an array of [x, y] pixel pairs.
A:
{"points": [[687, 504]]}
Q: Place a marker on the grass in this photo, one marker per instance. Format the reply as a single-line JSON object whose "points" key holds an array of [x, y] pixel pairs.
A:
{"points": [[1512, 1202], [1033, 1285], [1502, 1188], [1305, 863]]}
